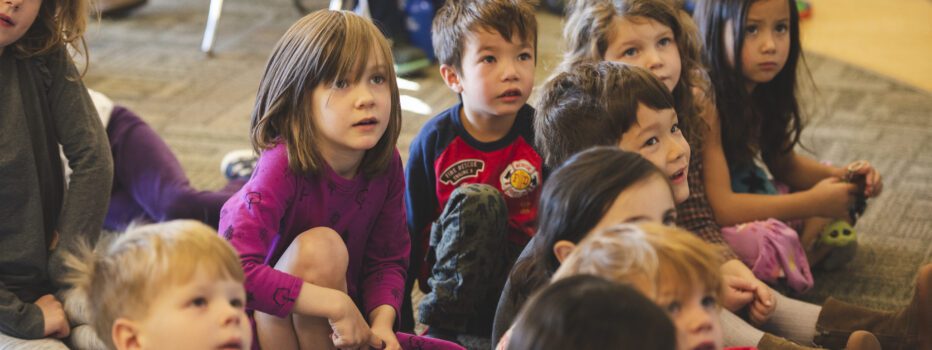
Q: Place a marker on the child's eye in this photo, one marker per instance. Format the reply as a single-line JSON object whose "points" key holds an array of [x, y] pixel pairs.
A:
{"points": [[782, 28], [651, 141], [488, 59], [341, 84], [751, 29], [236, 302], [673, 307], [709, 302], [630, 52], [378, 79], [199, 302], [664, 42], [525, 57], [675, 128]]}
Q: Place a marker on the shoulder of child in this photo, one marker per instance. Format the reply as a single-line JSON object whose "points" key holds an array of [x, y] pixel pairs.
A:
{"points": [[275, 157], [440, 124]]}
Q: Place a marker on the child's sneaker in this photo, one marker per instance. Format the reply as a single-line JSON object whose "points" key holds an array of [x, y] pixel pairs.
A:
{"points": [[238, 164]]}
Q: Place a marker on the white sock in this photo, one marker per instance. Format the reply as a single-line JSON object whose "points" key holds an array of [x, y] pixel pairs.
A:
{"points": [[737, 332], [793, 319]]}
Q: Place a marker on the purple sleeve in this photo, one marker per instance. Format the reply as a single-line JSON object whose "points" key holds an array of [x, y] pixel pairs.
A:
{"points": [[250, 220], [388, 248]]}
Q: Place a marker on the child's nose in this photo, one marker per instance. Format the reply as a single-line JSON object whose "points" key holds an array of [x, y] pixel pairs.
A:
{"points": [[232, 316], [364, 97], [700, 320], [510, 71], [677, 150], [769, 45], [654, 61]]}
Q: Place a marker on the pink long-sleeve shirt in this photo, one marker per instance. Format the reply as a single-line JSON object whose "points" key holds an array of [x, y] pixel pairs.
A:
{"points": [[275, 206]]}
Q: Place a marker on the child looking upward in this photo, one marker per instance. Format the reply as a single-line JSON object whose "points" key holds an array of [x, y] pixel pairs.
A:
{"points": [[473, 174], [320, 226]]}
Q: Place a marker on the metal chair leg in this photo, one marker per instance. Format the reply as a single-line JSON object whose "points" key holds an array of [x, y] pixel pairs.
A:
{"points": [[213, 18], [335, 5]]}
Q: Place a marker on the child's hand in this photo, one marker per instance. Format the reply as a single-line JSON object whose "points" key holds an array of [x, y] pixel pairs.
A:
{"points": [[832, 198], [737, 293], [871, 176], [764, 304], [56, 323], [387, 337], [350, 330]]}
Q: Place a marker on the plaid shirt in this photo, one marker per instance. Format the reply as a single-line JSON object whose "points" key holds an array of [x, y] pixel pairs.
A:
{"points": [[695, 214]]}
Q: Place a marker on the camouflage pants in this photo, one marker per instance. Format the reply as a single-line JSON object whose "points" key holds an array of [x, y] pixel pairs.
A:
{"points": [[473, 258]]}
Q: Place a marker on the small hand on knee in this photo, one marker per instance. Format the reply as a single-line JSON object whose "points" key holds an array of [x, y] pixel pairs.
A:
{"points": [[53, 313], [382, 319], [350, 330]]}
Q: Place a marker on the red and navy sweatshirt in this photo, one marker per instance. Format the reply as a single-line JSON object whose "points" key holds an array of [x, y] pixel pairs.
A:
{"points": [[444, 156]]}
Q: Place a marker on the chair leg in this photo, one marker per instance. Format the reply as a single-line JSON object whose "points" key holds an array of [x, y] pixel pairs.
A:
{"points": [[336, 5], [213, 17]]}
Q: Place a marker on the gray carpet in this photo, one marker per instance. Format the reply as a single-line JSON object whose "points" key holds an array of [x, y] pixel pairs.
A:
{"points": [[150, 62]]}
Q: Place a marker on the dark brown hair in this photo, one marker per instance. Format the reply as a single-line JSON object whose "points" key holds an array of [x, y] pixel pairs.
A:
{"points": [[320, 48], [587, 312], [768, 119], [593, 104], [457, 18], [58, 24], [589, 29], [574, 199]]}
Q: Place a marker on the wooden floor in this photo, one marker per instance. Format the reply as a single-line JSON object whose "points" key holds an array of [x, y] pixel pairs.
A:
{"points": [[891, 37]]}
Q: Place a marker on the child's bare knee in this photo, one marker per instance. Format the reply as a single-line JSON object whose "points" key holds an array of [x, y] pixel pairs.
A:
{"points": [[319, 256]]}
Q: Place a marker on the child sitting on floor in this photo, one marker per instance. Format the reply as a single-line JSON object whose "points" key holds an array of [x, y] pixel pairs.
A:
{"points": [[173, 285]]}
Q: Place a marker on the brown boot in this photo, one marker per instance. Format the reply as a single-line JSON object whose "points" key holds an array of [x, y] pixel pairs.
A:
{"points": [[861, 340], [899, 330], [772, 342]]}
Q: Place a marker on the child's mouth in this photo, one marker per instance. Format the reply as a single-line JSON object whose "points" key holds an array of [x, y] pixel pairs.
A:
{"points": [[232, 344], [678, 176], [511, 93], [6, 21], [367, 121]]}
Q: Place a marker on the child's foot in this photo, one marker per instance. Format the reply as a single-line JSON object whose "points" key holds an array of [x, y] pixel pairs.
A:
{"points": [[772, 342], [861, 340], [907, 328], [238, 164]]}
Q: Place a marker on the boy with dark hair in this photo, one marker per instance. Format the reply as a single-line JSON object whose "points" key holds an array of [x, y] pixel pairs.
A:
{"points": [[473, 174]]}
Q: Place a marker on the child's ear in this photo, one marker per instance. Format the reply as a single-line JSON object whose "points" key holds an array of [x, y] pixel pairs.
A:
{"points": [[562, 249], [451, 78], [126, 335]]}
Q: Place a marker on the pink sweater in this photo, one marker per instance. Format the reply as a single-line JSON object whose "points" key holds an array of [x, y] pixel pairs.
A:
{"points": [[275, 206]]}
